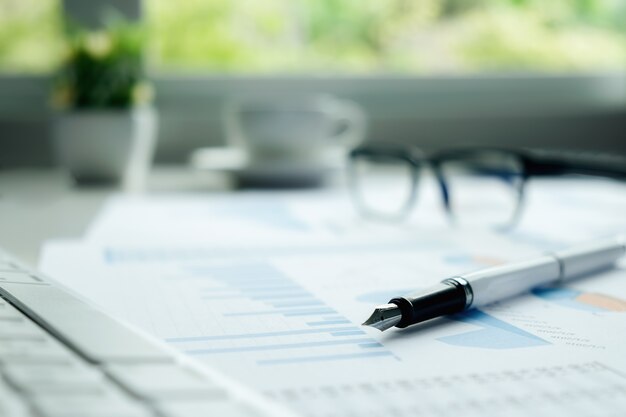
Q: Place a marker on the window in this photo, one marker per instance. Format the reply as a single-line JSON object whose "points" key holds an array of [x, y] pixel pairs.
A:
{"points": [[422, 37], [30, 35], [391, 36]]}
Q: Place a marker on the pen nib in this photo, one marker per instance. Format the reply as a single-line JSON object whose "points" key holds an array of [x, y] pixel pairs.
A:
{"points": [[384, 317]]}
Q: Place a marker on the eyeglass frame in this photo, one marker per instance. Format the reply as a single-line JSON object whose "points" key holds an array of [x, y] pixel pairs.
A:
{"points": [[532, 163]]}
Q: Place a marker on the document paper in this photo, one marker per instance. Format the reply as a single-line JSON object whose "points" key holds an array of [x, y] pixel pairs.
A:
{"points": [[285, 318]]}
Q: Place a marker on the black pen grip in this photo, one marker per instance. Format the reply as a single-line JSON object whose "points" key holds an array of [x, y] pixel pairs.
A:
{"points": [[443, 299]]}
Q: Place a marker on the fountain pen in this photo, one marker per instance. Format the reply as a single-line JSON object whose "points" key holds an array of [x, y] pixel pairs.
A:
{"points": [[476, 289]]}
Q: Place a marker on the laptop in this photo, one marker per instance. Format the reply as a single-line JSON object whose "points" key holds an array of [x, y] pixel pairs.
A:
{"points": [[61, 356]]}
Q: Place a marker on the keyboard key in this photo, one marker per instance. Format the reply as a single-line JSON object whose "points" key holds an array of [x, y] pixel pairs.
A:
{"points": [[206, 408], [11, 404], [100, 337], [8, 312], [103, 403], [165, 381], [41, 350], [51, 378], [20, 328], [6, 266], [20, 278]]}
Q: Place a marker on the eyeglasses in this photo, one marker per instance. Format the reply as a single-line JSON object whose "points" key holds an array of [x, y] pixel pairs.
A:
{"points": [[479, 187]]}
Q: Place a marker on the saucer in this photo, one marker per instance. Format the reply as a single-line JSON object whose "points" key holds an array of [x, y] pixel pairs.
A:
{"points": [[277, 172]]}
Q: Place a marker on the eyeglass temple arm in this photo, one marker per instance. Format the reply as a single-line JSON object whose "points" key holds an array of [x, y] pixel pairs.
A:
{"points": [[601, 166]]}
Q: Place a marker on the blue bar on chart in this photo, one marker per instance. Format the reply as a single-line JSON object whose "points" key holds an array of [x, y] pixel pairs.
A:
{"points": [[255, 297]]}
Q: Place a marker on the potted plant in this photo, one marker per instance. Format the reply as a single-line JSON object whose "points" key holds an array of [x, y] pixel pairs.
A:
{"points": [[105, 131]]}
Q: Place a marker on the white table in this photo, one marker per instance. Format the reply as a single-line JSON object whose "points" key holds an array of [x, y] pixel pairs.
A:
{"points": [[36, 205]]}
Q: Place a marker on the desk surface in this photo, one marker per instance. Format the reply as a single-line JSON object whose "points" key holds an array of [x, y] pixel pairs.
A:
{"points": [[268, 302], [36, 205], [519, 355]]}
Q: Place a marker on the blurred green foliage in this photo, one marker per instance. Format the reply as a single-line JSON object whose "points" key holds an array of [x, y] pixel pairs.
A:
{"points": [[103, 68], [406, 36], [30, 35], [347, 36]]}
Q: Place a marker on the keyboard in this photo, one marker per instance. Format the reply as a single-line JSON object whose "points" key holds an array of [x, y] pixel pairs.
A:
{"points": [[60, 356]]}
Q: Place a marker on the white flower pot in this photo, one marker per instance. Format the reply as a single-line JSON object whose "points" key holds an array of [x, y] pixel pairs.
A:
{"points": [[107, 146]]}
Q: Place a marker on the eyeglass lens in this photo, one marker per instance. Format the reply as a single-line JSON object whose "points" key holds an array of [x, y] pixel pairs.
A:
{"points": [[384, 185], [484, 188]]}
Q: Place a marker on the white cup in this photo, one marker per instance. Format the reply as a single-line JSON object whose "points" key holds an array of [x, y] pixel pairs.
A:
{"points": [[286, 139]]}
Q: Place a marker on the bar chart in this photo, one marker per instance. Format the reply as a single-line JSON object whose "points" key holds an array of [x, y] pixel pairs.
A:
{"points": [[300, 327]]}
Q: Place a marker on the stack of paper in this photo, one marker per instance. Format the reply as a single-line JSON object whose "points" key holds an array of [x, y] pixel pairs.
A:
{"points": [[272, 288]]}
